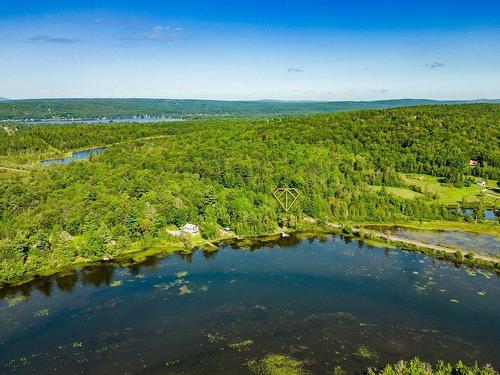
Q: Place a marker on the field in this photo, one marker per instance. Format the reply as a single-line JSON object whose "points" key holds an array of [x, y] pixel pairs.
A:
{"points": [[398, 192], [446, 193], [450, 195]]}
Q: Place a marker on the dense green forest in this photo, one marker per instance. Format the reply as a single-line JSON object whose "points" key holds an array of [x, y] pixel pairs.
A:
{"points": [[222, 173], [127, 108]]}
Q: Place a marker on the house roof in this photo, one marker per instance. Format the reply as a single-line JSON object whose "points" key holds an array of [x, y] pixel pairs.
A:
{"points": [[190, 226]]}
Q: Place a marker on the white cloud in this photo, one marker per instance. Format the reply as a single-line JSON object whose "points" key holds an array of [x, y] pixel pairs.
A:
{"points": [[50, 39], [158, 33], [435, 65]]}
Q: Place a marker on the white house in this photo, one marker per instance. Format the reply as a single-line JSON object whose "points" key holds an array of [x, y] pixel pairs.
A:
{"points": [[481, 183], [190, 228]]}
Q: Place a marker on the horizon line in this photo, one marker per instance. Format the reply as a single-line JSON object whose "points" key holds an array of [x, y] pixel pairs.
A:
{"points": [[6, 99]]}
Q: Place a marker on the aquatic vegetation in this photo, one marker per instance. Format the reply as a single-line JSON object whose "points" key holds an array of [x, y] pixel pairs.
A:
{"points": [[77, 344], [471, 273], [364, 352], [41, 313], [348, 315], [167, 286], [204, 288], [171, 363], [338, 370], [116, 283], [214, 337], [418, 367], [241, 345], [15, 300], [184, 289], [454, 300], [277, 364], [296, 300], [481, 293], [181, 274]]}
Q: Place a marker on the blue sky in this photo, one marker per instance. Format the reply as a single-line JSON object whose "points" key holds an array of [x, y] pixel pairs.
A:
{"points": [[323, 50]]}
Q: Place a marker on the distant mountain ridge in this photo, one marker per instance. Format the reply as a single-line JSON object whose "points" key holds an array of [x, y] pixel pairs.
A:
{"points": [[129, 107], [2, 99]]}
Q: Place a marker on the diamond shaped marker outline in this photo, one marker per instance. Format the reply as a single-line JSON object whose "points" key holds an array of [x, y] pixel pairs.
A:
{"points": [[290, 197]]}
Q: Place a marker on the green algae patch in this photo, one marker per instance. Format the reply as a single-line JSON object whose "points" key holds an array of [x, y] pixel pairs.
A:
{"points": [[116, 284], [41, 313], [16, 300], [377, 243], [241, 345], [277, 364], [364, 352], [214, 338]]}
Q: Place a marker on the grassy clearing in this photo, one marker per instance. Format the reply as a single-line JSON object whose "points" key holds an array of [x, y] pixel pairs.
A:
{"points": [[398, 192], [448, 194]]}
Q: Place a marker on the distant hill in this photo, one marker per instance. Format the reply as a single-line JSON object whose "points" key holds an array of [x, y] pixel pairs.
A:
{"points": [[3, 99], [126, 108]]}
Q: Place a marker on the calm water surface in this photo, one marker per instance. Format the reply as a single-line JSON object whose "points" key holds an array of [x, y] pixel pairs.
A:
{"points": [[487, 244], [106, 120], [320, 301], [488, 214], [79, 155]]}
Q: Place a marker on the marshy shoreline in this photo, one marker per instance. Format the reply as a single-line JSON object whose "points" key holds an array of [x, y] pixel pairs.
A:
{"points": [[363, 232]]}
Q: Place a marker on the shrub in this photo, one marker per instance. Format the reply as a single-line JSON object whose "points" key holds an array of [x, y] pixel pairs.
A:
{"points": [[470, 255], [347, 230]]}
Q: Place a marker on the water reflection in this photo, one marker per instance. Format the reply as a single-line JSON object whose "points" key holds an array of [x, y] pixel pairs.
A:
{"points": [[79, 155], [328, 300], [487, 244], [103, 274], [489, 214]]}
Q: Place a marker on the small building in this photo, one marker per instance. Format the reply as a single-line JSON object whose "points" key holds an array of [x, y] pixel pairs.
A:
{"points": [[190, 228], [473, 163], [481, 183]]}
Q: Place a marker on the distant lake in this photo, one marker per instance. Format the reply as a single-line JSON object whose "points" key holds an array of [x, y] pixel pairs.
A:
{"points": [[79, 155], [105, 120]]}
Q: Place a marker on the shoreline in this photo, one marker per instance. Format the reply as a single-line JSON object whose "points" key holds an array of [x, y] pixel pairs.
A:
{"points": [[361, 233]]}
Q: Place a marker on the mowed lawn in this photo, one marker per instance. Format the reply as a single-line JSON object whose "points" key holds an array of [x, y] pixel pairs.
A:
{"points": [[447, 194], [398, 192]]}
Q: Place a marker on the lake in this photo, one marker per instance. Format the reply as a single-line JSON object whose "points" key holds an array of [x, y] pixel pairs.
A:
{"points": [[327, 302], [103, 120], [487, 244], [79, 155]]}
